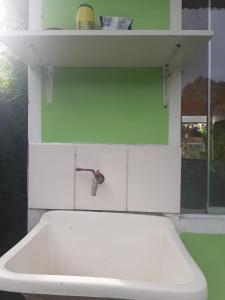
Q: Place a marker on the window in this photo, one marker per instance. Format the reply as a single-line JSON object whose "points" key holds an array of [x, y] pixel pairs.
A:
{"points": [[203, 113]]}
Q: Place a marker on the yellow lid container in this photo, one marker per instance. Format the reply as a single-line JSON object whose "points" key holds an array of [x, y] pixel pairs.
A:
{"points": [[85, 17]]}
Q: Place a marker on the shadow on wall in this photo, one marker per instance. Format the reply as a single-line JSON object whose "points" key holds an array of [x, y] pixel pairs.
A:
{"points": [[49, 297], [11, 296]]}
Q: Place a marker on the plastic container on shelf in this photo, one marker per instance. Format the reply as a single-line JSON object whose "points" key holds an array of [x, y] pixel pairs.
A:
{"points": [[85, 17]]}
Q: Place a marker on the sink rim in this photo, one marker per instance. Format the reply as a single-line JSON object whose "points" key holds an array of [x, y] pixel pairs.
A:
{"points": [[59, 284]]}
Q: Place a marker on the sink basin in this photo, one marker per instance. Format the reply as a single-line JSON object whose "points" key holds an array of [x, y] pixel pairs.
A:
{"points": [[103, 255]]}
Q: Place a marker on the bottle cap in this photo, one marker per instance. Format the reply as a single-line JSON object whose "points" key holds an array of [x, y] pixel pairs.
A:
{"points": [[86, 5]]}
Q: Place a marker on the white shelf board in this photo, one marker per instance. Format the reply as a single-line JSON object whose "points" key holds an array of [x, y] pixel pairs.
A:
{"points": [[96, 48]]}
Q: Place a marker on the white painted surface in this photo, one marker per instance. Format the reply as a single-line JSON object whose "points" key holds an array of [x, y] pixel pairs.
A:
{"points": [[34, 106], [175, 14], [51, 176], [154, 174], [174, 95], [105, 255], [97, 48], [174, 82], [34, 79], [196, 223], [35, 14], [111, 161]]}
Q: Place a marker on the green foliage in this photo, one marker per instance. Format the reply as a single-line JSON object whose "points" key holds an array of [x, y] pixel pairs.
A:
{"points": [[13, 74], [219, 140], [13, 77], [13, 133], [7, 70], [13, 14]]}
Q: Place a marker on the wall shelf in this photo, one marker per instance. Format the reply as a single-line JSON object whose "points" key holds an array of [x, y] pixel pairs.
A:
{"points": [[170, 49], [137, 48]]}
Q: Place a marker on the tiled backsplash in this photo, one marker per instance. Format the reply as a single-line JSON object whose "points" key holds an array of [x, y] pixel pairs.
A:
{"points": [[154, 179], [51, 176], [143, 178], [112, 162]]}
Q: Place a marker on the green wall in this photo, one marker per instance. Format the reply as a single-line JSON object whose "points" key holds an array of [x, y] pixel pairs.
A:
{"points": [[147, 14], [105, 105], [208, 250]]}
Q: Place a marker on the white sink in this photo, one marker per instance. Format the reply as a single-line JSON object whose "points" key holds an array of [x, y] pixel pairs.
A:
{"points": [[103, 255]]}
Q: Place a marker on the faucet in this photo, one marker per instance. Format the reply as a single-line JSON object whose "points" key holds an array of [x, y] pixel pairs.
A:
{"points": [[98, 179]]}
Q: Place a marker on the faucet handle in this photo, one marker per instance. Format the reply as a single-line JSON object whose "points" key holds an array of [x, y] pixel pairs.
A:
{"points": [[99, 177]]}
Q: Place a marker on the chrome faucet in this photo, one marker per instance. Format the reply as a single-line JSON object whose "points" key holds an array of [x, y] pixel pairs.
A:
{"points": [[98, 179]]}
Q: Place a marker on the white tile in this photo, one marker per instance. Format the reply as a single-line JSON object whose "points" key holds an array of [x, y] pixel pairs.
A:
{"points": [[51, 176], [112, 162], [154, 174]]}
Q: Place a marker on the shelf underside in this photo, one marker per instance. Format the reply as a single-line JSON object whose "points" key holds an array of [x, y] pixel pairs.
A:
{"points": [[144, 48]]}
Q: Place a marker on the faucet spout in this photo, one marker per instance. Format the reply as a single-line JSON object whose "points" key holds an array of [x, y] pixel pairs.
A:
{"points": [[94, 187], [98, 179]]}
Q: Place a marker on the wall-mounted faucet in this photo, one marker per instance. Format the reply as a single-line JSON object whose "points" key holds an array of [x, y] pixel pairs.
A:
{"points": [[98, 179]]}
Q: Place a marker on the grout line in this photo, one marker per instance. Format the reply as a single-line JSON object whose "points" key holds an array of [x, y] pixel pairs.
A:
{"points": [[74, 181], [127, 170]]}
